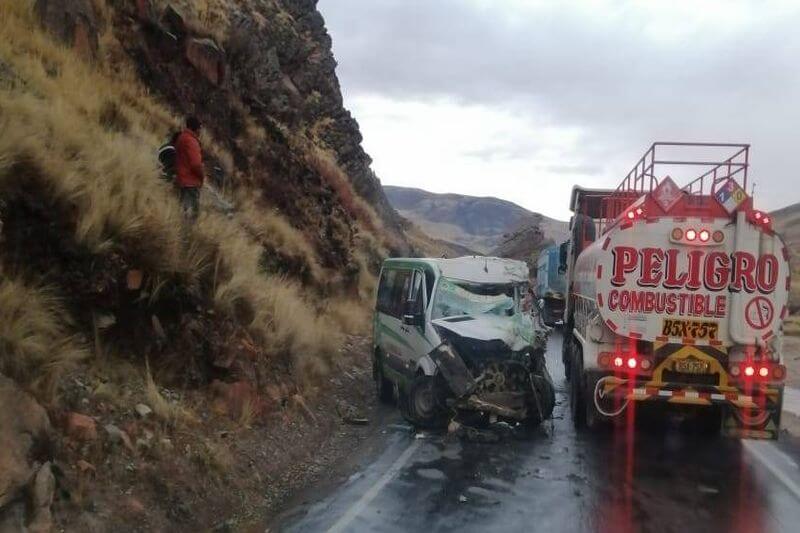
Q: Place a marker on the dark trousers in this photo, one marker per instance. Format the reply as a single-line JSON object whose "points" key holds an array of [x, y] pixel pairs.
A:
{"points": [[190, 202]]}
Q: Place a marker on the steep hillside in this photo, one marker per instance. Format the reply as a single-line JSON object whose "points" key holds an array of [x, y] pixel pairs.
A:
{"points": [[485, 225], [786, 221], [150, 340]]}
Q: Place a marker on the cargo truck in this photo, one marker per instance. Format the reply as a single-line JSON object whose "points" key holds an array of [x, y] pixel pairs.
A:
{"points": [[676, 295], [550, 286]]}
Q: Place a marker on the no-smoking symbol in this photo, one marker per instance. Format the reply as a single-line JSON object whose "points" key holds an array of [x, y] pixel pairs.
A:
{"points": [[758, 312]]}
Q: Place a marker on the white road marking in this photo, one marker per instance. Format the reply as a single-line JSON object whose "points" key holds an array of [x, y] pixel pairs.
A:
{"points": [[759, 451], [373, 491]]}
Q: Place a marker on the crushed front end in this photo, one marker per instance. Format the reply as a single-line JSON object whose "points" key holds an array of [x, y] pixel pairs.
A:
{"points": [[487, 378]]}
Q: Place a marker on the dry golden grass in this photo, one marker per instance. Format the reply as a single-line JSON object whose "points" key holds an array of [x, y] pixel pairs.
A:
{"points": [[84, 136], [353, 316], [272, 228], [36, 346], [272, 307], [327, 167], [169, 413]]}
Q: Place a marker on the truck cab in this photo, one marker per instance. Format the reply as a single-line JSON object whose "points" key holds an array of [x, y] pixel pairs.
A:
{"points": [[677, 294], [550, 286]]}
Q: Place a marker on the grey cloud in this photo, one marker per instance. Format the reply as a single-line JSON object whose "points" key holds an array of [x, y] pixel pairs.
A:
{"points": [[584, 70]]}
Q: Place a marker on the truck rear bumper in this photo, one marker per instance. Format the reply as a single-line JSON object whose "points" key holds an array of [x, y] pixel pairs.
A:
{"points": [[641, 390], [750, 412]]}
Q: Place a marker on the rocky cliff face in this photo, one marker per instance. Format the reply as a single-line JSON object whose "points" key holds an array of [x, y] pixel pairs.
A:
{"points": [[105, 289], [266, 67], [261, 76]]}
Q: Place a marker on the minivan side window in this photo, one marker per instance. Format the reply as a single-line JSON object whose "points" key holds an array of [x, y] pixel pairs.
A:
{"points": [[385, 291], [417, 292], [400, 291]]}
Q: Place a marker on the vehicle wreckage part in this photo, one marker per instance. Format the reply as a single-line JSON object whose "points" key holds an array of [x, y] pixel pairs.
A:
{"points": [[453, 369]]}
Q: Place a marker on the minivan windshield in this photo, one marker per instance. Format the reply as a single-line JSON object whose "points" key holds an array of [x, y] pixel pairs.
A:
{"points": [[456, 297]]}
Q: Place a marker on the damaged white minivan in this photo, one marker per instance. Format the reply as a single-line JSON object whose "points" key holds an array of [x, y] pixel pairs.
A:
{"points": [[451, 341]]}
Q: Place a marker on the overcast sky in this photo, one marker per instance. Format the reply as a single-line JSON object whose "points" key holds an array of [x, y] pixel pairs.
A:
{"points": [[522, 99]]}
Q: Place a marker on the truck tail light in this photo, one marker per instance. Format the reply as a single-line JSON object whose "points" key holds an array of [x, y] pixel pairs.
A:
{"points": [[624, 361], [760, 219], [697, 236], [635, 213], [758, 371]]}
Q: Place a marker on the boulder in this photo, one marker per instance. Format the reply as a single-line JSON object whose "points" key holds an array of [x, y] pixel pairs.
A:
{"points": [[24, 436], [41, 500], [174, 20], [142, 410], [208, 58], [73, 22], [118, 436], [80, 427]]}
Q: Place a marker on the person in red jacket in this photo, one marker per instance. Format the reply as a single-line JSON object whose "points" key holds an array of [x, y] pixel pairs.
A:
{"points": [[189, 173]]}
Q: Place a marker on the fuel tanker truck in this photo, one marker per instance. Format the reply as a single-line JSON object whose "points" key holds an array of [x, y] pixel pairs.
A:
{"points": [[676, 295]]}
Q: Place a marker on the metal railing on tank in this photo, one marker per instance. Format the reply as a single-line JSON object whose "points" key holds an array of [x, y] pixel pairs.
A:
{"points": [[655, 165]]}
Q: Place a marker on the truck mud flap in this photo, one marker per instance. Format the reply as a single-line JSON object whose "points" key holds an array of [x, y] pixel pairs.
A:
{"points": [[762, 423]]}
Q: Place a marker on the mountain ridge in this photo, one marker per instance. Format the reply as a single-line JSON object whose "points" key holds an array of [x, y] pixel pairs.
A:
{"points": [[481, 224]]}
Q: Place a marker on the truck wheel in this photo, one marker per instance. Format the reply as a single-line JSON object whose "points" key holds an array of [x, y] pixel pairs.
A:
{"points": [[577, 402], [422, 404], [566, 354], [383, 387]]}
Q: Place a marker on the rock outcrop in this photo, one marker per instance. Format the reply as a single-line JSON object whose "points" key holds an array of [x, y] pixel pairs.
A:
{"points": [[26, 479], [74, 22]]}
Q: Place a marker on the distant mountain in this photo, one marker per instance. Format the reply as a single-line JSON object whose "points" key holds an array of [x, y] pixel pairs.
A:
{"points": [[485, 225], [786, 221]]}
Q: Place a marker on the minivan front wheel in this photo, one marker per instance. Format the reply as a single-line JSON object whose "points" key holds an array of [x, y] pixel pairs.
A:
{"points": [[423, 405]]}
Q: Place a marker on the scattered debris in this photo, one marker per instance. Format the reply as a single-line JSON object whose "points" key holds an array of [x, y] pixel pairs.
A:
{"points": [[116, 436], [142, 411], [350, 414], [81, 427], [705, 489]]}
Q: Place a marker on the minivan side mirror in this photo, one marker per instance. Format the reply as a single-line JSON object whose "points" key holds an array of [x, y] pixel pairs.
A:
{"points": [[412, 316]]}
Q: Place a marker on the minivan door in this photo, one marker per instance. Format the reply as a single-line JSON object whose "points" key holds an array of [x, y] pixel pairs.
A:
{"points": [[394, 338], [414, 321]]}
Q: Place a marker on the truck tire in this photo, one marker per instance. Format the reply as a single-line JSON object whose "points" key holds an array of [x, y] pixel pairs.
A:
{"points": [[584, 412], [566, 352], [422, 404], [577, 403], [383, 387]]}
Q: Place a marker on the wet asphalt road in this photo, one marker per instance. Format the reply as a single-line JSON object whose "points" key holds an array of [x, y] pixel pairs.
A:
{"points": [[626, 479]]}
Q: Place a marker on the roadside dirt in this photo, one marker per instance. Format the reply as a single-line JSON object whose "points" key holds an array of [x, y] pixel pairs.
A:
{"points": [[216, 473]]}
